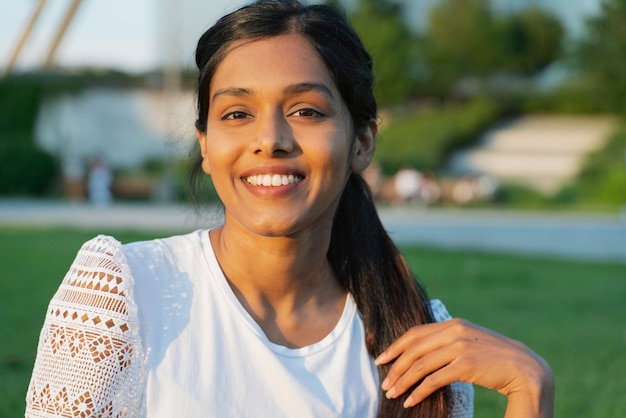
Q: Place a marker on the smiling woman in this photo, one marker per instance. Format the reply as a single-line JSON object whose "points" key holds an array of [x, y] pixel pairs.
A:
{"points": [[276, 112], [299, 304]]}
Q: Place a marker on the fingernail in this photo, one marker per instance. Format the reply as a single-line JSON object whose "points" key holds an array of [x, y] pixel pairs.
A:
{"points": [[390, 393], [385, 384], [379, 359], [408, 402]]}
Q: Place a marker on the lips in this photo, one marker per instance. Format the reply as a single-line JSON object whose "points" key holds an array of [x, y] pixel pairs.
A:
{"points": [[272, 180]]}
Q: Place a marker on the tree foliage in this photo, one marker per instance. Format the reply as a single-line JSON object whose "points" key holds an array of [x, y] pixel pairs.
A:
{"points": [[602, 55], [467, 39], [26, 170], [461, 38], [393, 46], [532, 40]]}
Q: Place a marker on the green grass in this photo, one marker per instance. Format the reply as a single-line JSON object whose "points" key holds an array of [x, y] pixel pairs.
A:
{"points": [[603, 180], [570, 312]]}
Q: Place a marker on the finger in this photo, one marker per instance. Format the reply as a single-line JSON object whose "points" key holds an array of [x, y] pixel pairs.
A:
{"points": [[428, 364], [418, 371], [405, 340], [455, 327], [466, 360], [415, 357], [411, 367], [431, 383]]}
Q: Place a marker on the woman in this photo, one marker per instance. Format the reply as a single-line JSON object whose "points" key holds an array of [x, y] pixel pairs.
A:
{"points": [[299, 304]]}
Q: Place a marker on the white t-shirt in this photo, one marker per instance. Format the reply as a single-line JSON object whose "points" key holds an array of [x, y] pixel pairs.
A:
{"points": [[172, 340], [209, 358]]}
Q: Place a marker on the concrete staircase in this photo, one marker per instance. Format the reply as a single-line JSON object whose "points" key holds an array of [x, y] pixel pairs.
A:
{"points": [[540, 152]]}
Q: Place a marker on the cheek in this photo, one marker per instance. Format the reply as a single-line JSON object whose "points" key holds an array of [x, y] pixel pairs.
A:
{"points": [[219, 151], [329, 156], [342, 149], [335, 156]]}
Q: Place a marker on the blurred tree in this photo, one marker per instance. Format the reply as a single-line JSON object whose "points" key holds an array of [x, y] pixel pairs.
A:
{"points": [[532, 41], [602, 55], [467, 40], [26, 170], [393, 46], [463, 40]]}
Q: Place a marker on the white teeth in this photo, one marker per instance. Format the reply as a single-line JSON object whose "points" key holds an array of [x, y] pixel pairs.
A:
{"points": [[273, 179]]}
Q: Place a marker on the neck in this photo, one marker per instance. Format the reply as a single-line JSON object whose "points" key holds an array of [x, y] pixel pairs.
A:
{"points": [[275, 267], [283, 282]]}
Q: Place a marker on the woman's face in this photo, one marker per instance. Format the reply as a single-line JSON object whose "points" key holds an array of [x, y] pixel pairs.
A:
{"points": [[279, 139]]}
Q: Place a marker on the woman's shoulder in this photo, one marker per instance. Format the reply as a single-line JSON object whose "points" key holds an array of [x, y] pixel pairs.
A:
{"points": [[163, 255], [105, 256], [174, 244], [104, 245], [99, 264]]}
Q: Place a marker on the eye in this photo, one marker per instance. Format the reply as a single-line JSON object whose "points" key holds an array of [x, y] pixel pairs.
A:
{"points": [[308, 113], [235, 115]]}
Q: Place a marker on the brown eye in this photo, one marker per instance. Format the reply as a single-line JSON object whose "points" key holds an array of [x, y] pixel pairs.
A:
{"points": [[308, 113], [235, 115]]}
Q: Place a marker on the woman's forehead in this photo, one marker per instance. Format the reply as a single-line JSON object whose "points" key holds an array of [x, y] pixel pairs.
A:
{"points": [[280, 60]]}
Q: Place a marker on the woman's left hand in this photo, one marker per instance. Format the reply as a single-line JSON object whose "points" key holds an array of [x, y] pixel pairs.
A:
{"points": [[458, 351]]}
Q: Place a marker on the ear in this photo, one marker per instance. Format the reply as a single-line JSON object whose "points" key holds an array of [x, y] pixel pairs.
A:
{"points": [[202, 142], [364, 147]]}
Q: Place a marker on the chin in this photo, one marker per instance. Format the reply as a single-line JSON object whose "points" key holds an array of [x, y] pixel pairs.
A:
{"points": [[286, 222], [274, 231]]}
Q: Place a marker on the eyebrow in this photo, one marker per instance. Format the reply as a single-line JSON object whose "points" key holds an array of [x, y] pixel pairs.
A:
{"points": [[299, 88], [290, 90], [231, 91]]}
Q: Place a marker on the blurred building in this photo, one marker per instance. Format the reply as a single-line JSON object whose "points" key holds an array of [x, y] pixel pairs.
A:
{"points": [[126, 127]]}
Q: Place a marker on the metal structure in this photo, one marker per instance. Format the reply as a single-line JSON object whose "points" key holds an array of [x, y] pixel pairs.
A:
{"points": [[49, 61], [67, 19]]}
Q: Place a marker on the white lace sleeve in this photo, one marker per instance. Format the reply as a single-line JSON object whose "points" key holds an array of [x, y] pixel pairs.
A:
{"points": [[462, 394], [89, 358]]}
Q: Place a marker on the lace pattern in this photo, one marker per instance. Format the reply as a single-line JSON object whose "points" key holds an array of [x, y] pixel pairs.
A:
{"points": [[89, 358]]}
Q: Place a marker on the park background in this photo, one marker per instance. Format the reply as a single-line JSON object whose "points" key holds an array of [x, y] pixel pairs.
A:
{"points": [[509, 106]]}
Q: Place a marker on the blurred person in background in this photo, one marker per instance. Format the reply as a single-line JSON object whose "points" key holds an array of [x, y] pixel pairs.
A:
{"points": [[413, 186], [430, 191], [299, 304], [407, 183], [99, 183]]}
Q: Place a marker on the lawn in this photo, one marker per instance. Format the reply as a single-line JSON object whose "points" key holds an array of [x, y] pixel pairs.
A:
{"points": [[571, 312]]}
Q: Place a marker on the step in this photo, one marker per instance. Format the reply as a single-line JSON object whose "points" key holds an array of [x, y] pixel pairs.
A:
{"points": [[502, 163], [537, 151]]}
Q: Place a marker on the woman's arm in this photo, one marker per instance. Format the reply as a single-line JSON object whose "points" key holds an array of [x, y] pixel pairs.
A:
{"points": [[457, 350], [89, 358]]}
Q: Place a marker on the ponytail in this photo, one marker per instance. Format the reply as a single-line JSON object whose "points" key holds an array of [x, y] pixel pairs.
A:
{"points": [[371, 268]]}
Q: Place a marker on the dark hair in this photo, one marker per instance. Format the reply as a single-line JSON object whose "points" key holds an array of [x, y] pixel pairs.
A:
{"points": [[365, 260]]}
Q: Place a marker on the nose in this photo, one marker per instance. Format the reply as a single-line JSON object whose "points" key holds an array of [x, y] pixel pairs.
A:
{"points": [[274, 136]]}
